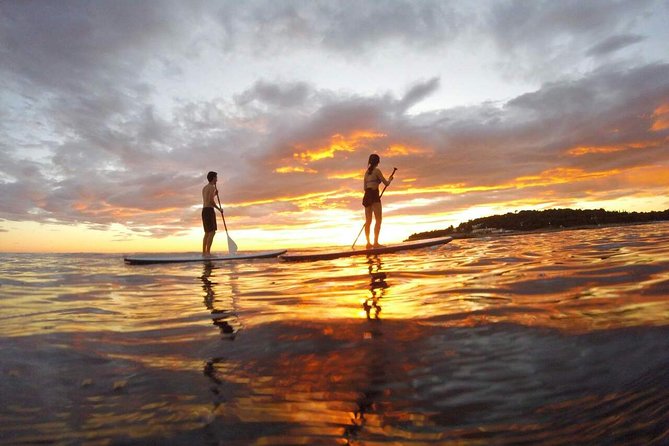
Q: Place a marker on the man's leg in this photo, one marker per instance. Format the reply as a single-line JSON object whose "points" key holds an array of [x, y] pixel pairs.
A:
{"points": [[206, 242], [211, 240]]}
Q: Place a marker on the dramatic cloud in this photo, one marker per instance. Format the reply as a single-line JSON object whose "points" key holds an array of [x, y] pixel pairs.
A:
{"points": [[614, 43], [113, 112], [545, 38]]}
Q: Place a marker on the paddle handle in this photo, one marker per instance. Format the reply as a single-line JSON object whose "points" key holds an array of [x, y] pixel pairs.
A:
{"points": [[385, 186], [380, 195]]}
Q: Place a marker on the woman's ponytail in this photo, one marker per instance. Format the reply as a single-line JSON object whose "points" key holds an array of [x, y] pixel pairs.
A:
{"points": [[373, 161]]}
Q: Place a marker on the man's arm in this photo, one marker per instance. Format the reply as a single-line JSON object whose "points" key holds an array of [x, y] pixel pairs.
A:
{"points": [[217, 206]]}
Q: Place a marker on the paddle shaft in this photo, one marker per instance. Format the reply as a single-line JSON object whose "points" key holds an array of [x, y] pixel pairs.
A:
{"points": [[232, 246], [222, 215], [381, 195]]}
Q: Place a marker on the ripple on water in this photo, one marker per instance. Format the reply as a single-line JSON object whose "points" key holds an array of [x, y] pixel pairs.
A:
{"points": [[553, 338]]}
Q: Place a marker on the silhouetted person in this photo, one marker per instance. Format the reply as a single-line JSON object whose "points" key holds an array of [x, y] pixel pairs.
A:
{"points": [[208, 213], [372, 201]]}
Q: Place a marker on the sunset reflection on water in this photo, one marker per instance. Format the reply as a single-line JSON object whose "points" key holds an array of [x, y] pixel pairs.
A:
{"points": [[541, 338]]}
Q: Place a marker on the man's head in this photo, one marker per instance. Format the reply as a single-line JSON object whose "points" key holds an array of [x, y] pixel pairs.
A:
{"points": [[211, 176]]}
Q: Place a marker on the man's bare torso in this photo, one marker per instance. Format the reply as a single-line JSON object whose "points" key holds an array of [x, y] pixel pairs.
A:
{"points": [[208, 194]]}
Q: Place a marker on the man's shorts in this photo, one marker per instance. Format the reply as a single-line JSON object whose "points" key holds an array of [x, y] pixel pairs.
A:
{"points": [[209, 219]]}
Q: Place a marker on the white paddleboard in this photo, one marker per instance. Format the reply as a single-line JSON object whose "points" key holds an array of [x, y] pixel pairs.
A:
{"points": [[172, 258], [348, 252]]}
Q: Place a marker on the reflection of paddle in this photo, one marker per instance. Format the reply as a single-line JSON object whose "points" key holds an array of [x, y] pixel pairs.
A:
{"points": [[232, 246], [363, 225]]}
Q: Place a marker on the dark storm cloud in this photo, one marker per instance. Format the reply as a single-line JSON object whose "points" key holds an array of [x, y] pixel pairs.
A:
{"points": [[614, 43], [68, 45], [275, 94], [74, 45], [538, 38], [347, 26], [417, 93]]}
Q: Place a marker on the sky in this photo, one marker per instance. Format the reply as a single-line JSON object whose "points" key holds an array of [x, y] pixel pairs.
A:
{"points": [[112, 113]]}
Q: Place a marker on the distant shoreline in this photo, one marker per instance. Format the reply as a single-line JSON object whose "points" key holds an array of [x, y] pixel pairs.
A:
{"points": [[507, 233], [546, 221]]}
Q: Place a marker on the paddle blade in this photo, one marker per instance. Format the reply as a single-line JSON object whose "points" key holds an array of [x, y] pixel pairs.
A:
{"points": [[232, 246]]}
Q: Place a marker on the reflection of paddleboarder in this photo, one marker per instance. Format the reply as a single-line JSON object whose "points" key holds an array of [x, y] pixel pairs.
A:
{"points": [[371, 381], [377, 287], [208, 213], [372, 201], [225, 319]]}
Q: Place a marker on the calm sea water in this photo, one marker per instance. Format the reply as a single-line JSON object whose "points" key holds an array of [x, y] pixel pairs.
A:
{"points": [[559, 338]]}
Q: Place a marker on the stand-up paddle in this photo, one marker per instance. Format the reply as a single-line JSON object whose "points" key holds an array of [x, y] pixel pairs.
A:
{"points": [[232, 246], [363, 225]]}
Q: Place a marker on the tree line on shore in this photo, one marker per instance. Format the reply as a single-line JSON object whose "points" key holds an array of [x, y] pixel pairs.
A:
{"points": [[546, 219]]}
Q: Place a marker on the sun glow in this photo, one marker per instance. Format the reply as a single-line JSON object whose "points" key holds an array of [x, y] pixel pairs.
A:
{"points": [[294, 169], [334, 217], [337, 143], [344, 175], [395, 150]]}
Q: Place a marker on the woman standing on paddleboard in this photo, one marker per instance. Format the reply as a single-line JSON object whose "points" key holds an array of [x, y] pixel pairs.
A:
{"points": [[371, 201]]}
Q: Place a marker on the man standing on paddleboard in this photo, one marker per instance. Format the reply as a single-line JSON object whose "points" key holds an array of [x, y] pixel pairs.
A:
{"points": [[372, 201], [208, 213]]}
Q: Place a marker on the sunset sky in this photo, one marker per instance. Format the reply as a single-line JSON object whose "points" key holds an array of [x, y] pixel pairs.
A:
{"points": [[112, 112]]}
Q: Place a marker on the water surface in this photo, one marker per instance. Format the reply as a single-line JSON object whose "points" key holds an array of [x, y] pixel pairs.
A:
{"points": [[559, 338]]}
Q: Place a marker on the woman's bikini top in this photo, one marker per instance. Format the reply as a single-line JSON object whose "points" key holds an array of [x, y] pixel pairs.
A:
{"points": [[372, 180]]}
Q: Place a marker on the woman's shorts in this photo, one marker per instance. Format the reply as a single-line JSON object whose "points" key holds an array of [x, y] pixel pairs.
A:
{"points": [[371, 197], [209, 219]]}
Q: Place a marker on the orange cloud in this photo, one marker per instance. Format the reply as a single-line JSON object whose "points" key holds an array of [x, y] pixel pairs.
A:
{"points": [[338, 143], [549, 177], [561, 175], [455, 188], [584, 150], [290, 169], [661, 118], [401, 150], [315, 197], [648, 176], [344, 175]]}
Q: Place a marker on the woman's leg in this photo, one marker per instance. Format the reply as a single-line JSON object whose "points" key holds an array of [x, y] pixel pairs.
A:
{"points": [[378, 217], [368, 223]]}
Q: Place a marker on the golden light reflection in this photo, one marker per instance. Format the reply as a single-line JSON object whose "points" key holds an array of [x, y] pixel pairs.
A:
{"points": [[494, 282], [346, 351]]}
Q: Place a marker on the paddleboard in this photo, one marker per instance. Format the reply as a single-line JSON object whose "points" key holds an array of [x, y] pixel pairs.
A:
{"points": [[347, 252], [147, 259]]}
